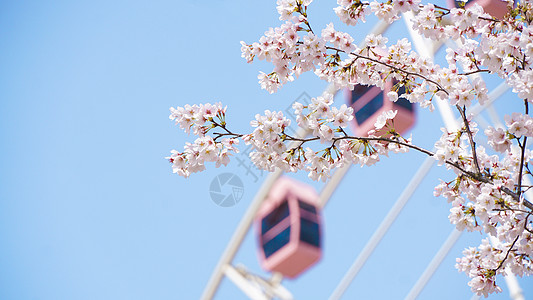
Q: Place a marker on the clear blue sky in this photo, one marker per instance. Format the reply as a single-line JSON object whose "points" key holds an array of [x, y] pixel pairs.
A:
{"points": [[89, 208]]}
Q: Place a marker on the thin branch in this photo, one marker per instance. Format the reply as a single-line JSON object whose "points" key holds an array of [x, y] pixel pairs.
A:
{"points": [[290, 138], [475, 176], [523, 146], [474, 72], [512, 209], [462, 111], [219, 135], [228, 133], [366, 139], [525, 222], [507, 254], [440, 7]]}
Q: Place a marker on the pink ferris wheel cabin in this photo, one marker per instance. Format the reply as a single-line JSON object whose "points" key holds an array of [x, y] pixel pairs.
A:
{"points": [[496, 8], [289, 228], [368, 102]]}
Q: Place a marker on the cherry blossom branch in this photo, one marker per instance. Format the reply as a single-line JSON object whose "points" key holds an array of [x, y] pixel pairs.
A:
{"points": [[408, 73], [364, 139], [513, 210], [445, 9], [196, 118], [476, 176], [228, 133], [475, 72], [440, 88], [481, 178], [512, 245], [506, 254]]}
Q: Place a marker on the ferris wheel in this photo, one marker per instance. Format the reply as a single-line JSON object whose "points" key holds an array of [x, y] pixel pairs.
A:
{"points": [[280, 201]]}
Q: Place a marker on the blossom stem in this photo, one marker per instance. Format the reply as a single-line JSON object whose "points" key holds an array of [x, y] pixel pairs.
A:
{"points": [[228, 133], [475, 72], [523, 148], [507, 254], [462, 111]]}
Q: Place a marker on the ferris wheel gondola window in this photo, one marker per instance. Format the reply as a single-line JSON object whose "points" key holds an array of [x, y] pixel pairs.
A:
{"points": [[275, 217], [369, 108], [368, 103], [307, 207], [309, 232], [277, 242]]}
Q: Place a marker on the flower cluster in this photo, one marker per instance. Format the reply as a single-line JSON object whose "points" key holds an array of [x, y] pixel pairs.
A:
{"points": [[483, 203], [201, 119], [282, 46], [483, 281], [287, 7], [274, 148], [518, 125], [339, 40], [350, 12]]}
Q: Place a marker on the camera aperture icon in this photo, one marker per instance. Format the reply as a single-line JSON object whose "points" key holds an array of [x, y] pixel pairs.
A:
{"points": [[226, 189]]}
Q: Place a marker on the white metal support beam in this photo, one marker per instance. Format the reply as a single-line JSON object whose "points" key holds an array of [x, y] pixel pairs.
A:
{"points": [[434, 264], [252, 291], [256, 287], [382, 229]]}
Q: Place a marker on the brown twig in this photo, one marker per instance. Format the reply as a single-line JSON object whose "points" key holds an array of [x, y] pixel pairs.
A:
{"points": [[474, 72], [523, 148], [462, 111]]}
